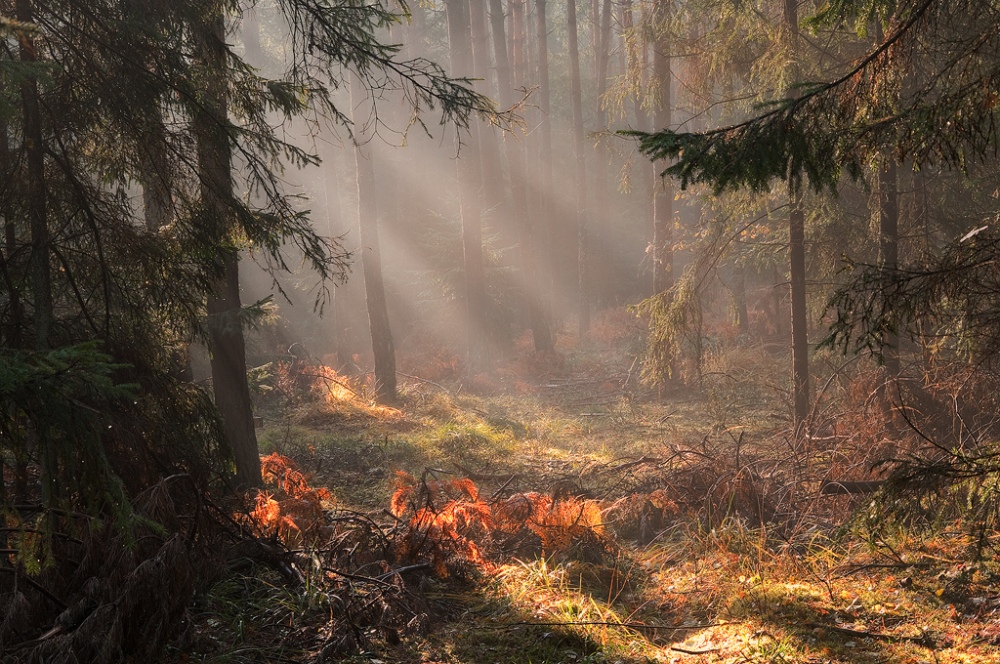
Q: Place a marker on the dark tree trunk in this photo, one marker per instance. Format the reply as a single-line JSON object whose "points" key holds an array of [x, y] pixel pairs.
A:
{"points": [[547, 240], [579, 145], [371, 258], [800, 339], [663, 191], [12, 334], [225, 331], [156, 191], [888, 223], [740, 299], [507, 215], [797, 264], [600, 261], [469, 180], [349, 322], [41, 276], [540, 332], [505, 86], [494, 194], [635, 51]]}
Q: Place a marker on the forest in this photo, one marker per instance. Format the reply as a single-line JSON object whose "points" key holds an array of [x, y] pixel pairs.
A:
{"points": [[488, 331]]}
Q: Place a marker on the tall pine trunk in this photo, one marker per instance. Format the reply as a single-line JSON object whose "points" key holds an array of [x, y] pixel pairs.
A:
{"points": [[371, 256], [507, 217], [546, 229], [797, 261], [888, 224], [663, 194], [11, 336], [600, 259], [225, 331], [527, 239], [41, 275], [580, 154], [469, 180], [636, 36], [494, 192]]}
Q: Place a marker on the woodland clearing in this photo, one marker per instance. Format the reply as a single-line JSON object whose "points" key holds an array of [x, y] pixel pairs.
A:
{"points": [[567, 514]]}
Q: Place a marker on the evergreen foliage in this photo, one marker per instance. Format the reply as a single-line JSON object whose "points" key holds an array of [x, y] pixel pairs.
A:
{"points": [[925, 92], [121, 88]]}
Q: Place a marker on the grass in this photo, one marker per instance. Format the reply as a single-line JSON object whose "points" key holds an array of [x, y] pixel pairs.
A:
{"points": [[710, 577]]}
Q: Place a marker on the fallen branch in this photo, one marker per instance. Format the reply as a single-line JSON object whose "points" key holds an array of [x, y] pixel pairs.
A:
{"points": [[922, 640], [31, 582], [603, 623], [424, 380], [693, 652], [480, 477]]}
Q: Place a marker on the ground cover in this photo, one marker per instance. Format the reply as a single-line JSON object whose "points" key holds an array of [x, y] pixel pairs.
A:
{"points": [[568, 514]]}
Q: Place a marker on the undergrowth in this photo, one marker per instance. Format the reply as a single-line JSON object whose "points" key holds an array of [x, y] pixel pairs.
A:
{"points": [[574, 516]]}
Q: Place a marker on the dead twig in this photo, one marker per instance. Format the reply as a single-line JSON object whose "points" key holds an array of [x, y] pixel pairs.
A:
{"points": [[424, 380], [687, 651], [604, 623], [923, 640]]}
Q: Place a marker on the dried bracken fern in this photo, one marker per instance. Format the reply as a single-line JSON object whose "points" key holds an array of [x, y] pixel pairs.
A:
{"points": [[451, 525], [295, 512]]}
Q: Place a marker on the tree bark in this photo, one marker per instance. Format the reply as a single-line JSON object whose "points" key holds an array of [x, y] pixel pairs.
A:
{"points": [[494, 193], [663, 192], [546, 229], [540, 332], [469, 181], [797, 261], [225, 331], [507, 216], [579, 145], [600, 262], [12, 333], [636, 39], [800, 340], [41, 275], [371, 257], [888, 222]]}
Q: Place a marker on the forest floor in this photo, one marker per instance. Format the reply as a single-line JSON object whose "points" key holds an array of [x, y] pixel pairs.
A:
{"points": [[691, 530]]}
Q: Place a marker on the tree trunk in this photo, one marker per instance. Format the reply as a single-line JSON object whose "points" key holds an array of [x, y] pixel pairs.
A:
{"points": [[740, 299], [349, 324], [546, 229], [156, 194], [888, 223], [225, 331], [635, 67], [579, 145], [469, 180], [507, 216], [494, 194], [600, 263], [371, 257], [41, 276], [800, 340], [663, 192], [12, 334], [797, 262], [540, 332]]}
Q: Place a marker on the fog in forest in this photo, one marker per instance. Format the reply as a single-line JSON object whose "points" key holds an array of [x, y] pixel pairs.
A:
{"points": [[517, 179], [499, 331]]}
